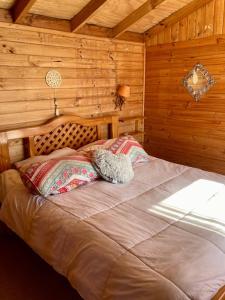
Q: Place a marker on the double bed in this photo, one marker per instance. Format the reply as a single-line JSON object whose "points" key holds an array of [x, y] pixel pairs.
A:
{"points": [[161, 236]]}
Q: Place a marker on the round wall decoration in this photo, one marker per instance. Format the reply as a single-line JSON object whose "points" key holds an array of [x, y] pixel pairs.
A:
{"points": [[53, 79]]}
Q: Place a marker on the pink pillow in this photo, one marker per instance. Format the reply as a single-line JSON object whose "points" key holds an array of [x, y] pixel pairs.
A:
{"points": [[124, 144], [99, 144], [129, 146], [23, 164], [59, 175]]}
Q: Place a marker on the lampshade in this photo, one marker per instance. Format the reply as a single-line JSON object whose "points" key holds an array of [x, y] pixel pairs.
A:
{"points": [[124, 91]]}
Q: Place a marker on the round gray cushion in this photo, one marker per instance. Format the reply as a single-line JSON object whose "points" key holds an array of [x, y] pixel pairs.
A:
{"points": [[115, 168]]}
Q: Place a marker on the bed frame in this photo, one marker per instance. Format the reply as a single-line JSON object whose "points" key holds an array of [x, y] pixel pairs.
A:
{"points": [[220, 295], [63, 131]]}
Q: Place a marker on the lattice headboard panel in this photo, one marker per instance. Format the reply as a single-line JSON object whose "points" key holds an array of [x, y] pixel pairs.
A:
{"points": [[63, 131], [66, 135]]}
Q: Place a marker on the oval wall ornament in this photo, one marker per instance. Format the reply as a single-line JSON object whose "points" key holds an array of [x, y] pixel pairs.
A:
{"points": [[53, 79]]}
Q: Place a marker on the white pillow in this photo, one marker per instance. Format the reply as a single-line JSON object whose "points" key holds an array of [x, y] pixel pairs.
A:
{"points": [[55, 154]]}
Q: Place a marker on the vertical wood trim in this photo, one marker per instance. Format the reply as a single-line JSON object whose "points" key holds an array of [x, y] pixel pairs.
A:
{"points": [[183, 26], [100, 132], [218, 16], [31, 148], [200, 24], [174, 32], [167, 35], [144, 87], [191, 33], [4, 152], [114, 128], [209, 18], [224, 19]]}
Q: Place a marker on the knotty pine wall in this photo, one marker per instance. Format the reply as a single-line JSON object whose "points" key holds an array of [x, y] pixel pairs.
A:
{"points": [[91, 70], [207, 21], [178, 128]]}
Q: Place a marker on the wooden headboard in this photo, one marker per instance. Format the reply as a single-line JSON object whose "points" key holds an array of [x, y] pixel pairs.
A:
{"points": [[64, 131]]}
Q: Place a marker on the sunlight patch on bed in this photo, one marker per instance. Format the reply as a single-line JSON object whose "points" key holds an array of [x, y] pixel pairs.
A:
{"points": [[201, 204]]}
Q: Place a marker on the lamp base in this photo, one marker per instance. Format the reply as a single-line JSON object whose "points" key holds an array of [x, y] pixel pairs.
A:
{"points": [[119, 102]]}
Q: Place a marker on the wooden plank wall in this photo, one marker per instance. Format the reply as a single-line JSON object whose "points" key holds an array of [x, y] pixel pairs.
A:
{"points": [[91, 69], [178, 128], [204, 22]]}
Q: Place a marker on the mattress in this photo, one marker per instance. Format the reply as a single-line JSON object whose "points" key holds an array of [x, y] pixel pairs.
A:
{"points": [[159, 237]]}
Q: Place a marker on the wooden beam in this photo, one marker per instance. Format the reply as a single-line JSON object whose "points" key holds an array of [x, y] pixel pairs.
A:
{"points": [[82, 17], [48, 23], [94, 30], [5, 16], [21, 8], [177, 16], [132, 37], [135, 16]]}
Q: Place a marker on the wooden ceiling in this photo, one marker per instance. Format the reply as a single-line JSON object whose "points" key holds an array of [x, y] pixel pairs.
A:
{"points": [[121, 19]]}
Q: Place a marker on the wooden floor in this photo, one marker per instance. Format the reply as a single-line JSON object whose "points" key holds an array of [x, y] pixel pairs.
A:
{"points": [[25, 276]]}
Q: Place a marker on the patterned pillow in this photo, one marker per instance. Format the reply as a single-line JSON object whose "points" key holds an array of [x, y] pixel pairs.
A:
{"points": [[128, 145], [125, 144], [99, 144], [59, 175], [21, 165]]}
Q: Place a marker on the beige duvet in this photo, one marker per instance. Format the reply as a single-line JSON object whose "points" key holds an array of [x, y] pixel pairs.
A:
{"points": [[160, 237]]}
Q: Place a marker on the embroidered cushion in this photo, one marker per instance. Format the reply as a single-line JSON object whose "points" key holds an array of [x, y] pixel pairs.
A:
{"points": [[59, 175], [129, 146], [99, 144], [22, 165], [125, 144], [115, 168]]}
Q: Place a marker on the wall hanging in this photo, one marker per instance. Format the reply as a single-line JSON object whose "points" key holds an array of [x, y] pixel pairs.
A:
{"points": [[123, 92], [198, 81], [53, 79]]}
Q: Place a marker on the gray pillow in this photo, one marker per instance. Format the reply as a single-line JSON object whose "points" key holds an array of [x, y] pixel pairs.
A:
{"points": [[115, 168]]}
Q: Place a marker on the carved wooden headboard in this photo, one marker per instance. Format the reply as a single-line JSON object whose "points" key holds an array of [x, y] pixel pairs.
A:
{"points": [[64, 131]]}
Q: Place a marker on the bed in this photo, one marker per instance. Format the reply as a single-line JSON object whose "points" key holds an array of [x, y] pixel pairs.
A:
{"points": [[160, 236]]}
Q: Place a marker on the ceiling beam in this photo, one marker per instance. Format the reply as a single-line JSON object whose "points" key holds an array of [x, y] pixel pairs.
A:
{"points": [[39, 21], [54, 24], [5, 16], [94, 30], [20, 9], [177, 16], [136, 15], [82, 17]]}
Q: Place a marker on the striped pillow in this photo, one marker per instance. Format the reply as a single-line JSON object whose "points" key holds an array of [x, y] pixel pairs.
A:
{"points": [[125, 144], [99, 144], [129, 146], [59, 175]]}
